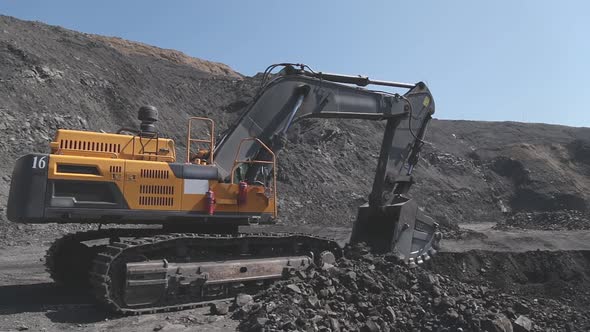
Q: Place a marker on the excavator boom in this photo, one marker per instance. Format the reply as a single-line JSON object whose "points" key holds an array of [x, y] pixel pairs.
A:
{"points": [[390, 221], [298, 94]]}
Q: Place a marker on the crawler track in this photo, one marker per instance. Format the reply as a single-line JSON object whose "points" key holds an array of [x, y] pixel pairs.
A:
{"points": [[68, 260], [107, 275]]}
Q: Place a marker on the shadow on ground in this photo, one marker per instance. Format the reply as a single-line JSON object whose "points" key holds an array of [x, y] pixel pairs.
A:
{"points": [[61, 305]]}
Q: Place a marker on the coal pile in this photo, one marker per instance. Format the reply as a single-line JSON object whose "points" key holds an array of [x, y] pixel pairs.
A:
{"points": [[549, 221], [376, 293]]}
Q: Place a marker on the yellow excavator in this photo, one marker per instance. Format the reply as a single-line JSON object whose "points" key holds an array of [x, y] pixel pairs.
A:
{"points": [[196, 254]]}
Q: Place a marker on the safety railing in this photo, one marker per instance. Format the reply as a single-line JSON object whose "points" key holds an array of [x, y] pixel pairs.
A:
{"points": [[210, 141]]}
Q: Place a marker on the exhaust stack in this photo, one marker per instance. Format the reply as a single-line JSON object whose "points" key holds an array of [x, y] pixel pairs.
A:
{"points": [[148, 115]]}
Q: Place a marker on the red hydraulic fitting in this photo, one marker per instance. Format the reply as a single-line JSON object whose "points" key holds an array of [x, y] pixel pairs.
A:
{"points": [[210, 202]]}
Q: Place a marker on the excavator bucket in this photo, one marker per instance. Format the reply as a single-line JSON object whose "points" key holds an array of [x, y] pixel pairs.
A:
{"points": [[399, 227], [396, 224]]}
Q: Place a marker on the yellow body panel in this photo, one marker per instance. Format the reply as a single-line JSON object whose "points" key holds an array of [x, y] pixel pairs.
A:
{"points": [[226, 197], [151, 185], [110, 170], [92, 144], [139, 166]]}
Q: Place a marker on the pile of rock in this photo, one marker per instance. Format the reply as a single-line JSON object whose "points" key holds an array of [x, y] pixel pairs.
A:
{"points": [[550, 220], [455, 162], [376, 293]]}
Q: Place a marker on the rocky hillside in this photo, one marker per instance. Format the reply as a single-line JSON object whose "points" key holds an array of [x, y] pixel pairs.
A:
{"points": [[481, 171], [470, 172]]}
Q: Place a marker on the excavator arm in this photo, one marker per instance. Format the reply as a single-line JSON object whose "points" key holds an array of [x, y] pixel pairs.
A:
{"points": [[299, 94], [389, 221]]}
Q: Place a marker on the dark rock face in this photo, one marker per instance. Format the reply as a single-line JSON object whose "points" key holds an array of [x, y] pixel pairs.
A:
{"points": [[510, 168], [522, 324], [243, 299], [220, 308], [549, 220], [373, 293]]}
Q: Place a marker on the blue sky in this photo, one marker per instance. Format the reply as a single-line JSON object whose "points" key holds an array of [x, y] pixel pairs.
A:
{"points": [[495, 60]]}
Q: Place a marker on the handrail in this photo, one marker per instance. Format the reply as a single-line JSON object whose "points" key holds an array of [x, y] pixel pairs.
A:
{"points": [[273, 162], [210, 141], [155, 156], [114, 155]]}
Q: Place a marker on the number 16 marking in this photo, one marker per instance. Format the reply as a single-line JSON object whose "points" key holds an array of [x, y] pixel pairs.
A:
{"points": [[39, 162]]}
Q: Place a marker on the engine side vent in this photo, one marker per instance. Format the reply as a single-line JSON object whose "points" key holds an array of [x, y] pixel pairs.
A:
{"points": [[69, 144], [156, 201], [77, 169], [155, 174], [156, 190], [116, 169]]}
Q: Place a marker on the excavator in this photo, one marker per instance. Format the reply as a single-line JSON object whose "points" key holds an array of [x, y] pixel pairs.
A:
{"points": [[174, 239]]}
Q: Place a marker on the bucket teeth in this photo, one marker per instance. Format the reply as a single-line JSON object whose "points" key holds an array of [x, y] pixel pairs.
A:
{"points": [[436, 241], [421, 258]]}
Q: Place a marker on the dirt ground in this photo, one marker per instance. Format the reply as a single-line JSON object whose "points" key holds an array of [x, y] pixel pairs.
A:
{"points": [[29, 300], [518, 240]]}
